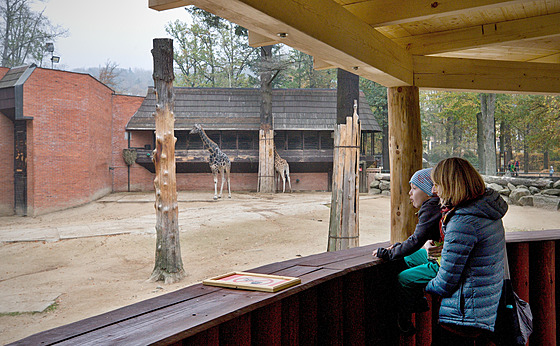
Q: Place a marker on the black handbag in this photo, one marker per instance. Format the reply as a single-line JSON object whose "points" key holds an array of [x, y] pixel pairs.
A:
{"points": [[514, 323]]}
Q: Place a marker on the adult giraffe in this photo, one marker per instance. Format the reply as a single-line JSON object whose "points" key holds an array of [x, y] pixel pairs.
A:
{"points": [[219, 162]]}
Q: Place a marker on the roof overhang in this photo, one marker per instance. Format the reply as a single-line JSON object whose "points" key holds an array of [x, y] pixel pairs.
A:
{"points": [[482, 45]]}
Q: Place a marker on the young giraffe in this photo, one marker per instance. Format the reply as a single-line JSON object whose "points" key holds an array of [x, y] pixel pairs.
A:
{"points": [[283, 169], [219, 162]]}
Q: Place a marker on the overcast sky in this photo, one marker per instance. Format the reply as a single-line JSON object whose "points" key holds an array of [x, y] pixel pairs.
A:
{"points": [[117, 30]]}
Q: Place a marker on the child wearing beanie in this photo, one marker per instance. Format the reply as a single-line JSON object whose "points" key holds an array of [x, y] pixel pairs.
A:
{"points": [[419, 269]]}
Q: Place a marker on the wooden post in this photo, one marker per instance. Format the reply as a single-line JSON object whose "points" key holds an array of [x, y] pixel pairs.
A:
{"points": [[169, 265], [405, 152], [266, 161], [265, 182], [344, 224]]}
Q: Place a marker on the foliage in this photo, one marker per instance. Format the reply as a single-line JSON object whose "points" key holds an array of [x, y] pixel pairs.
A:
{"points": [[108, 74], [24, 33]]}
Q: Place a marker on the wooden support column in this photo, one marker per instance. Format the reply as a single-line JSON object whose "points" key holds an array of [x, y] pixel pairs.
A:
{"points": [[169, 265], [518, 258], [405, 153], [266, 133], [543, 292]]}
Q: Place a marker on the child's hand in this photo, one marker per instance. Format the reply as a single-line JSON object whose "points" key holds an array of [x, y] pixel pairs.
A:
{"points": [[433, 248]]}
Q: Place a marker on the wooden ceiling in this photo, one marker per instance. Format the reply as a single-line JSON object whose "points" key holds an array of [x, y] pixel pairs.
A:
{"points": [[476, 45]]}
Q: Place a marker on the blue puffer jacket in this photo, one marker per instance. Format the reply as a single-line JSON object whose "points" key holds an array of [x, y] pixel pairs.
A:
{"points": [[472, 263]]}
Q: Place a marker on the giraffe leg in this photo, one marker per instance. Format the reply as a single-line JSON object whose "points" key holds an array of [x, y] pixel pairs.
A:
{"points": [[228, 183], [215, 174], [288, 176], [222, 187], [283, 183]]}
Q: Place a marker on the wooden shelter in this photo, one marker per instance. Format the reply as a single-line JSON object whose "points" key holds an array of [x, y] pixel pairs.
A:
{"points": [[304, 120], [486, 45]]}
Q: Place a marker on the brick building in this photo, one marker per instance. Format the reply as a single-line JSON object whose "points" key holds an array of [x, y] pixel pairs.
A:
{"points": [[61, 139], [62, 136]]}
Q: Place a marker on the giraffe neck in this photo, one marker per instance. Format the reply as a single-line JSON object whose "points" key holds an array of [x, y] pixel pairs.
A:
{"points": [[212, 146]]}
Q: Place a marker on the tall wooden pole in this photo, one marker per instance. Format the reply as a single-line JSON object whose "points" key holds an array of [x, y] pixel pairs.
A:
{"points": [[266, 132], [169, 265], [405, 153], [344, 216]]}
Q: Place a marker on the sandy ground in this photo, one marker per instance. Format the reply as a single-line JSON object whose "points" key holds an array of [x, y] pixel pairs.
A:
{"points": [[98, 257]]}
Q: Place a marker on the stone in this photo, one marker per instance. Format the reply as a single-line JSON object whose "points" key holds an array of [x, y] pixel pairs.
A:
{"points": [[384, 185], [511, 187], [526, 201], [556, 185], [516, 194], [374, 184], [505, 192], [552, 192], [546, 202], [386, 193], [495, 187], [534, 190], [374, 191]]}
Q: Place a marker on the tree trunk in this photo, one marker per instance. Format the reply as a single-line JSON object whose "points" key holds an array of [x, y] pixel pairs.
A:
{"points": [[488, 106], [545, 159], [526, 150], [169, 265], [343, 222], [266, 133], [385, 142], [405, 140], [480, 138]]}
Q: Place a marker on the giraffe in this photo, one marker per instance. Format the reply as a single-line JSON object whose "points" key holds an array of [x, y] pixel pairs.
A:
{"points": [[283, 169], [219, 162]]}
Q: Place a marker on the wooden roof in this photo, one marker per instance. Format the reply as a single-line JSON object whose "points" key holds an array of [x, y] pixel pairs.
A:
{"points": [[478, 45], [239, 109]]}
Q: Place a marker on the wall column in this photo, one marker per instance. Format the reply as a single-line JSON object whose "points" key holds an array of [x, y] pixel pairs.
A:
{"points": [[405, 154]]}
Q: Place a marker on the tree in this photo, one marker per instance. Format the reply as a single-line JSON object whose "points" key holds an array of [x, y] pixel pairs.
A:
{"points": [[108, 74], [486, 134], [376, 96], [24, 33]]}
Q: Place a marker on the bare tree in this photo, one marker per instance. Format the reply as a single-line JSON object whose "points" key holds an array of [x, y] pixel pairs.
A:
{"points": [[108, 74], [23, 32]]}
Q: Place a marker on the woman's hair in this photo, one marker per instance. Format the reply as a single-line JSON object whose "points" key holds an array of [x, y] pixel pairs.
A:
{"points": [[457, 181]]}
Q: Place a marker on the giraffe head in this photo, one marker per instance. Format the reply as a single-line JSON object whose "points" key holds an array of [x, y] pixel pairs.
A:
{"points": [[196, 129]]}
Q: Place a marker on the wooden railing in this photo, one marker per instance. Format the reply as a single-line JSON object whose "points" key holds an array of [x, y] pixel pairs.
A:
{"points": [[345, 297]]}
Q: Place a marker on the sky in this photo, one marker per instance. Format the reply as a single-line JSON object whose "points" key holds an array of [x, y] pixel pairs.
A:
{"points": [[120, 31]]}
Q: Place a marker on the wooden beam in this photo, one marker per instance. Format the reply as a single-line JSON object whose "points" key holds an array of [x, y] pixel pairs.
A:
{"points": [[488, 75], [257, 40], [160, 5], [405, 151], [388, 12], [319, 64], [321, 28], [482, 35]]}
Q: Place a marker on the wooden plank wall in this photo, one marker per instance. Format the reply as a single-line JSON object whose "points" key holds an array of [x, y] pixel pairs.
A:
{"points": [[345, 297]]}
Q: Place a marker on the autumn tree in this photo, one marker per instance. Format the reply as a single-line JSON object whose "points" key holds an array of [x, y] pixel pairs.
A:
{"points": [[24, 33], [108, 74], [376, 96]]}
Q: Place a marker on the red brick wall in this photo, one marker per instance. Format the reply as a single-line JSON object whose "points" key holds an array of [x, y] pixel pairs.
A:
{"points": [[7, 166], [69, 145], [124, 108]]}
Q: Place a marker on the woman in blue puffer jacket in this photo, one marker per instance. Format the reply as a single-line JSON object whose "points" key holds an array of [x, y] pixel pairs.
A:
{"points": [[472, 262]]}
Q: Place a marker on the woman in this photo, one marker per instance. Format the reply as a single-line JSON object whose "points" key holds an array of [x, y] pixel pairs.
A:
{"points": [[472, 269]]}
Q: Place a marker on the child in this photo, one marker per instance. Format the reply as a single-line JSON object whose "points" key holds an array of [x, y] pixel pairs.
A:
{"points": [[419, 269]]}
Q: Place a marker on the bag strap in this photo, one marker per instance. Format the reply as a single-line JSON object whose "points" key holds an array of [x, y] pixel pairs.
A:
{"points": [[506, 263]]}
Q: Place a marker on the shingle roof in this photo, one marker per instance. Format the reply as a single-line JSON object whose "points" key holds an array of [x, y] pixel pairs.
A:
{"points": [[239, 109], [16, 75]]}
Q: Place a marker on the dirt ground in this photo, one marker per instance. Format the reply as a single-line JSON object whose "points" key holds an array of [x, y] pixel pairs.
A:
{"points": [[98, 257]]}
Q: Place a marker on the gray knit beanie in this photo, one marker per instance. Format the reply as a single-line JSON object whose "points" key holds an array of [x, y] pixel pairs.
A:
{"points": [[423, 180]]}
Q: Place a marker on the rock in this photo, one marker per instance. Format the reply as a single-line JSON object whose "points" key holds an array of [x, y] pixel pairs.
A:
{"points": [[385, 185], [386, 193], [383, 176], [526, 201], [516, 194], [540, 183], [556, 185], [511, 187], [552, 192], [534, 190], [505, 192], [522, 187], [546, 202], [374, 191], [374, 184], [496, 187]]}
